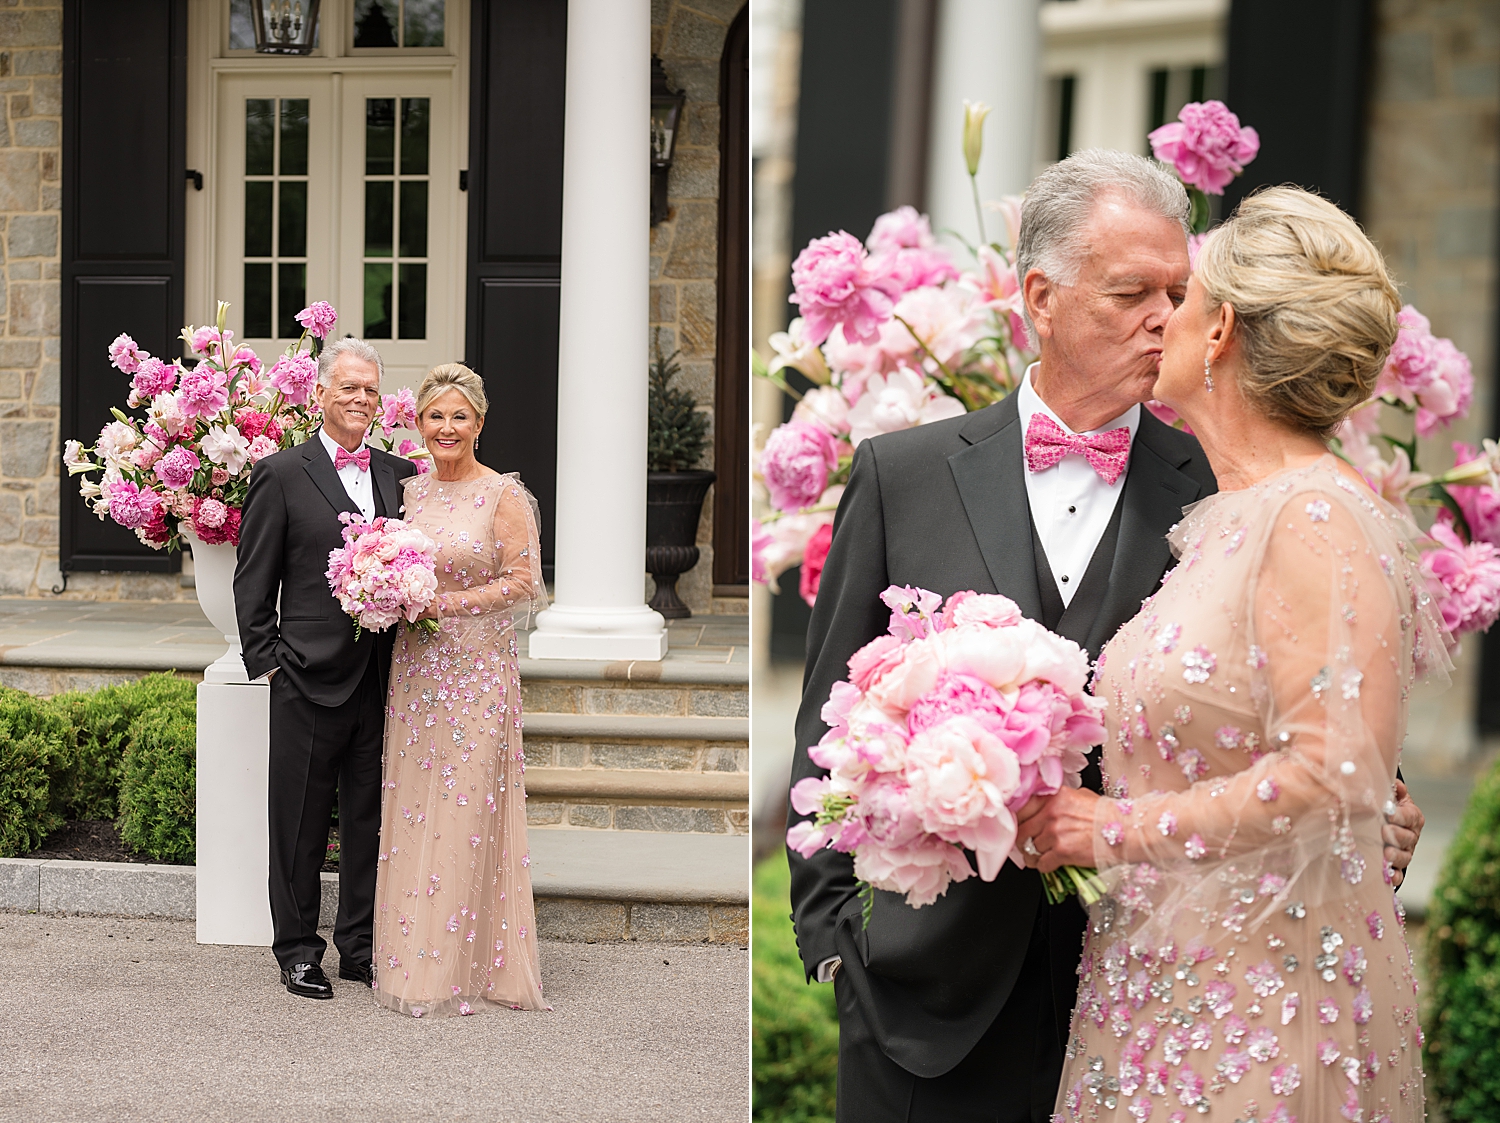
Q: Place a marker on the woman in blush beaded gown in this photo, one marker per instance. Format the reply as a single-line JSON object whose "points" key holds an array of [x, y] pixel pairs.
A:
{"points": [[1250, 959], [455, 931]]}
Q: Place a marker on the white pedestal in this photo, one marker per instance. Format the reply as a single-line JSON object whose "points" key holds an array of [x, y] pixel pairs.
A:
{"points": [[234, 852]]}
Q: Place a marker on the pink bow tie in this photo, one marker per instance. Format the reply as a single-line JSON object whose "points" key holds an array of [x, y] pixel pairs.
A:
{"points": [[343, 458], [1047, 443]]}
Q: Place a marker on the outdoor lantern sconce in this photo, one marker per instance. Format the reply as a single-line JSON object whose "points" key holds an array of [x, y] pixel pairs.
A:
{"points": [[284, 27], [666, 114]]}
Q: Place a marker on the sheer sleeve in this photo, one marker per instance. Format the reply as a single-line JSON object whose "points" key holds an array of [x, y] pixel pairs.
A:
{"points": [[515, 587], [1333, 610]]}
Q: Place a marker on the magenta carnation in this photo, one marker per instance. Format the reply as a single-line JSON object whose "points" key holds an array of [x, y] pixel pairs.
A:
{"points": [[125, 355], [1466, 579], [132, 506], [216, 522], [253, 423], [318, 318], [834, 282], [176, 468], [295, 377], [204, 391], [813, 557], [796, 463], [1206, 145]]}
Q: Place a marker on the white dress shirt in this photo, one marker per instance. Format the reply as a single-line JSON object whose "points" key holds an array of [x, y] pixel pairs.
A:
{"points": [[356, 482], [1070, 504]]}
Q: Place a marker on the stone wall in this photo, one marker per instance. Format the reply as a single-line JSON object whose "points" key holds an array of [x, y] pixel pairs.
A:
{"points": [[1430, 201], [688, 36], [30, 191]]}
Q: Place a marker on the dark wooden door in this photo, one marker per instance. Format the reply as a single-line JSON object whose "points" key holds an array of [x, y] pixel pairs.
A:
{"points": [[124, 148], [518, 55], [732, 377]]}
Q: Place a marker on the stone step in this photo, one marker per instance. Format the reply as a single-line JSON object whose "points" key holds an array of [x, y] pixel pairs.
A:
{"points": [[588, 886]]}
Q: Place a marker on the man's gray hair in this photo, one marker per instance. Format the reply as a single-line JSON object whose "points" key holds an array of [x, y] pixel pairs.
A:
{"points": [[347, 346], [1061, 200]]}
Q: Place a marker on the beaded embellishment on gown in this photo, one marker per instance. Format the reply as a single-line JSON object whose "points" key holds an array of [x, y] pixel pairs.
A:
{"points": [[455, 930], [1250, 959]]}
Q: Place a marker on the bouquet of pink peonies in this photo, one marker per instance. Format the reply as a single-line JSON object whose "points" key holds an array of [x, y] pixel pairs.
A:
{"points": [[384, 572], [945, 728]]}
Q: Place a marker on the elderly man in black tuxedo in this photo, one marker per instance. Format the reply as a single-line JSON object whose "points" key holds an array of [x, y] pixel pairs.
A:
{"points": [[959, 1011], [327, 689]]}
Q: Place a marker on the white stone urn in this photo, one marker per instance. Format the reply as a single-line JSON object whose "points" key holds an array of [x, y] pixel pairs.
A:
{"points": [[213, 574]]}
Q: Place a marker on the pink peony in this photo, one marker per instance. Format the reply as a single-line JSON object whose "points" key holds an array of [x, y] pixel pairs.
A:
{"points": [[398, 411], [318, 318], [960, 777], [1480, 504], [125, 355], [176, 468], [1412, 363], [208, 339], [204, 391], [130, 505], [902, 241], [825, 407], [912, 611], [986, 610], [1167, 415], [959, 695], [873, 660], [834, 282], [152, 377], [247, 359], [796, 463], [1206, 145], [1465, 578], [295, 377], [168, 415], [1447, 395], [814, 554], [215, 522], [901, 687], [260, 448]]}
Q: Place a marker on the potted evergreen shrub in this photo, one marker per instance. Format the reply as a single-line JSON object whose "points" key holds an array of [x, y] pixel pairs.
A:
{"points": [[677, 436]]}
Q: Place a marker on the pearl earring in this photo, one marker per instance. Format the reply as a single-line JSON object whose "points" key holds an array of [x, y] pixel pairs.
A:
{"points": [[1208, 375]]}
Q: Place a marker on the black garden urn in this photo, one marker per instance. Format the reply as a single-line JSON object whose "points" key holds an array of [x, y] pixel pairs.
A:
{"points": [[674, 502]]}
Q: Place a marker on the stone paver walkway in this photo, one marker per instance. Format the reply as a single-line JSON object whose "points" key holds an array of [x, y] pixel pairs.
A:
{"points": [[131, 1020]]}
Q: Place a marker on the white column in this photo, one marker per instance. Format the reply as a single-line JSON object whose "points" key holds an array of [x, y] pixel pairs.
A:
{"points": [[600, 610], [985, 50]]}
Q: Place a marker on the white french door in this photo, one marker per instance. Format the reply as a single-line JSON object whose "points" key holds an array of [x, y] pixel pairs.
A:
{"points": [[341, 187]]}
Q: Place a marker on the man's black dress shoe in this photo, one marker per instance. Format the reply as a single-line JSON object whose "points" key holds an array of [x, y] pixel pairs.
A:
{"points": [[357, 972], [306, 980]]}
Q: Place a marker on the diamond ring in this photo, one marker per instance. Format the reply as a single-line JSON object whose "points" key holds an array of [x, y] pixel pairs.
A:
{"points": [[1029, 847]]}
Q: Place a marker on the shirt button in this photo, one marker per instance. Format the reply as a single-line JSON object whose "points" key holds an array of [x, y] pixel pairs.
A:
{"points": [[1065, 578], [1072, 510]]}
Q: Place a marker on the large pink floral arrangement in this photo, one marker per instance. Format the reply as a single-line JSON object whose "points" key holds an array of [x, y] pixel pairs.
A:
{"points": [[385, 571], [892, 334], [945, 728], [185, 465]]}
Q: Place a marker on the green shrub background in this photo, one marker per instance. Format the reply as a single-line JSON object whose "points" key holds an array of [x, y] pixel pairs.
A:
{"points": [[794, 1037], [126, 752], [1463, 954]]}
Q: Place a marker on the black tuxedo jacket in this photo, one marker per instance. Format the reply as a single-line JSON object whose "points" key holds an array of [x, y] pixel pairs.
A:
{"points": [[290, 524], [944, 507]]}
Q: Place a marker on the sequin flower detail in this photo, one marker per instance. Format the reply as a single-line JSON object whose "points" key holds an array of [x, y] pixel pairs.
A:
{"points": [[1194, 848], [1264, 979], [1285, 1079], [1363, 1006], [1166, 639], [1227, 737], [1167, 824], [1328, 1011], [1375, 925], [1192, 764], [1328, 1052], [1267, 790], [1198, 664], [1233, 1065], [1219, 996], [1262, 1044]]}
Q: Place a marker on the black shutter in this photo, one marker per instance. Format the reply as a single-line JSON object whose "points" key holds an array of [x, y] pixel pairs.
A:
{"points": [[1297, 71], [124, 156], [732, 377], [519, 51]]}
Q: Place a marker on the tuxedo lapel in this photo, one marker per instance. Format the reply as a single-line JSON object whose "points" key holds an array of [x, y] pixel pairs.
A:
{"points": [[385, 484], [993, 491], [1155, 494], [320, 468]]}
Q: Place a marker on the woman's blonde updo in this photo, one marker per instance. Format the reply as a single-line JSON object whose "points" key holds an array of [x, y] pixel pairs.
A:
{"points": [[452, 376], [1314, 304]]}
